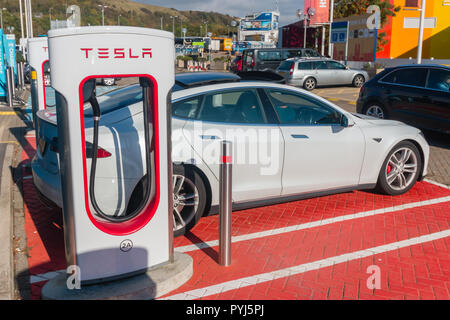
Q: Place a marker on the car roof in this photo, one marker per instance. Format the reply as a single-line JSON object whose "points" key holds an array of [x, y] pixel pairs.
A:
{"points": [[422, 66], [194, 79], [247, 84]]}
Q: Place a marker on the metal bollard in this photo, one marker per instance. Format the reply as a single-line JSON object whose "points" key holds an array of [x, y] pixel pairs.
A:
{"points": [[20, 83], [225, 204], [13, 82], [9, 87]]}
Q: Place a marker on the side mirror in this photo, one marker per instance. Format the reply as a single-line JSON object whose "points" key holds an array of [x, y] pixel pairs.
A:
{"points": [[347, 122], [346, 68]]}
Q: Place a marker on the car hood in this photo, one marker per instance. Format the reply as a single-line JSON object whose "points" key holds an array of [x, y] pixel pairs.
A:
{"points": [[358, 70], [376, 121]]}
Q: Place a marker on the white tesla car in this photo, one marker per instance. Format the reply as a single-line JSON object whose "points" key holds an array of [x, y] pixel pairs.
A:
{"points": [[288, 144]]}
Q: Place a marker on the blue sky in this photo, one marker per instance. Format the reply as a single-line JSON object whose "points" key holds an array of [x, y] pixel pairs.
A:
{"points": [[237, 8]]}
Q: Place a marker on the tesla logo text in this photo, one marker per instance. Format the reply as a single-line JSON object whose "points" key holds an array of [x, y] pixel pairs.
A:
{"points": [[117, 53]]}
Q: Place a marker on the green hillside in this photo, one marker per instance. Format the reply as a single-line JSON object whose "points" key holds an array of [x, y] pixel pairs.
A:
{"points": [[131, 14]]}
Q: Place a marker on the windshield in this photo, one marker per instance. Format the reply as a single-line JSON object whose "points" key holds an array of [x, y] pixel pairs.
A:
{"points": [[116, 99]]}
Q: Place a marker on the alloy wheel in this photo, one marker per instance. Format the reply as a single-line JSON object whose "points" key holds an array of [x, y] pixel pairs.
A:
{"points": [[375, 111], [185, 201], [359, 81], [401, 169], [310, 83]]}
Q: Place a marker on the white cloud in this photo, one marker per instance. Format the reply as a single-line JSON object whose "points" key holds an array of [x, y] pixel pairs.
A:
{"points": [[237, 8]]}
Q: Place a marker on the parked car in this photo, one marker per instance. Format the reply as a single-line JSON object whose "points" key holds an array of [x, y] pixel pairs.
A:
{"points": [[27, 73], [416, 94], [107, 81], [263, 59], [302, 146], [310, 73], [236, 64]]}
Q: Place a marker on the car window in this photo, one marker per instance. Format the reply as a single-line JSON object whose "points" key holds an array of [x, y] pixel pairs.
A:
{"points": [[304, 66], [410, 76], [237, 106], [287, 54], [269, 55], [186, 108], [286, 65], [439, 79], [320, 65], [248, 57], [293, 108], [335, 65]]}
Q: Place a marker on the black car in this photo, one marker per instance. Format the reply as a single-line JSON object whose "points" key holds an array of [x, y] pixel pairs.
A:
{"points": [[415, 94]]}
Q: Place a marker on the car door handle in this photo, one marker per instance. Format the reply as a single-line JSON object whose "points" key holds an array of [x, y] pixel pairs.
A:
{"points": [[210, 137], [299, 136]]}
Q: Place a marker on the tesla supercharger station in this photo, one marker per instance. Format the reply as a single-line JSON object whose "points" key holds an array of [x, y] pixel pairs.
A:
{"points": [[101, 245], [37, 59]]}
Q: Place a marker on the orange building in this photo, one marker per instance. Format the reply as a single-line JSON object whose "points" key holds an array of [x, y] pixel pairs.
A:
{"points": [[402, 31]]}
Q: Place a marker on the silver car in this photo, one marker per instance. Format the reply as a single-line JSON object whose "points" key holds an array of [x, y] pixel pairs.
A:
{"points": [[309, 73]]}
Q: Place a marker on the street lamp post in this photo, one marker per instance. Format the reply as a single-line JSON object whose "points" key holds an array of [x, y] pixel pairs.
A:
{"points": [[1, 17], [330, 45], [421, 26], [103, 13], [118, 19], [181, 27], [173, 24], [50, 16]]}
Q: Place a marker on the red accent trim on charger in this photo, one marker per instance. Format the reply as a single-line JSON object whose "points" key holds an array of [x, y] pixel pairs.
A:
{"points": [[43, 83], [142, 219]]}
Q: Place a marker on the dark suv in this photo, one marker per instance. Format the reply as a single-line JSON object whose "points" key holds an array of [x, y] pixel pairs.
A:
{"points": [[264, 59], [415, 94]]}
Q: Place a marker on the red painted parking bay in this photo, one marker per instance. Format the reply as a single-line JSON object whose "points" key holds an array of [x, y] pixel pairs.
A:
{"points": [[356, 245]]}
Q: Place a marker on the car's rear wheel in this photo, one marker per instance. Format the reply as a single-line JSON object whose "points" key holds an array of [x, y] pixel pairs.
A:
{"points": [[189, 198], [358, 81], [400, 169], [309, 84], [375, 109]]}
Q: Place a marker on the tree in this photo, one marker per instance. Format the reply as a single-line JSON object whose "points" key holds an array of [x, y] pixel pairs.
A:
{"points": [[346, 8]]}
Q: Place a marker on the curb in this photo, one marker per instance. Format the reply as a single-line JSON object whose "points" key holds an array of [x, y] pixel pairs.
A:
{"points": [[155, 283], [6, 229]]}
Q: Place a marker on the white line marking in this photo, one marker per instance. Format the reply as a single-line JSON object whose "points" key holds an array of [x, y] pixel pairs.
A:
{"points": [[250, 236], [436, 183], [256, 235], [278, 274]]}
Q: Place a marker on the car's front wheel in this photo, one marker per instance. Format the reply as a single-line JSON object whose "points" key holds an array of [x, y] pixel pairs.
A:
{"points": [[400, 169]]}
